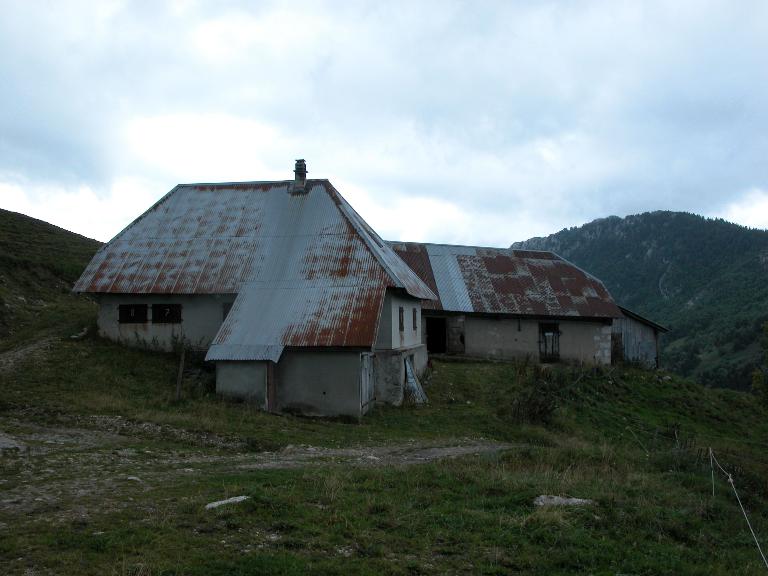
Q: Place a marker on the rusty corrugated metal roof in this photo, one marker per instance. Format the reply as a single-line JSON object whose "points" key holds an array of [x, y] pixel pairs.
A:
{"points": [[307, 269], [503, 281]]}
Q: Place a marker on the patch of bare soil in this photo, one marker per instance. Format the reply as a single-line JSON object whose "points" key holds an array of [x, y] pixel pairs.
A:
{"points": [[10, 358], [64, 472], [395, 455], [91, 427]]}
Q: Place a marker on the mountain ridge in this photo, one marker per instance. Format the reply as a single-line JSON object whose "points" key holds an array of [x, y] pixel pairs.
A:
{"points": [[701, 277]]}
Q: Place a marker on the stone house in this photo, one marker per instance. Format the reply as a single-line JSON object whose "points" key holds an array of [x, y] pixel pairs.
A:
{"points": [[299, 303]]}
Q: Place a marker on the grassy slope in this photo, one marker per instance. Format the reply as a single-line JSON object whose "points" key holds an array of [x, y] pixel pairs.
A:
{"points": [[612, 439], [39, 263], [629, 439]]}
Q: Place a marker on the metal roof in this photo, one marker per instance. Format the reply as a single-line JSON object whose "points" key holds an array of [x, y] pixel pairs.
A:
{"points": [[307, 269], [642, 319], [504, 281]]}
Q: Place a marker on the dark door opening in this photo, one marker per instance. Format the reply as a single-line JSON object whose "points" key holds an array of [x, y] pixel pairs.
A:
{"points": [[436, 335], [549, 342]]}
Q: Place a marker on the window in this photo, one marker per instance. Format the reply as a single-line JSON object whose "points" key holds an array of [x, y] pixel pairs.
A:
{"points": [[132, 313], [402, 319], [549, 342], [415, 320], [166, 313]]}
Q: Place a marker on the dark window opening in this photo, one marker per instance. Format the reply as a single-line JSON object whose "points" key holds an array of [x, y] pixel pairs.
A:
{"points": [[401, 320], [226, 307], [415, 320], [549, 342], [166, 313], [436, 335], [132, 313]]}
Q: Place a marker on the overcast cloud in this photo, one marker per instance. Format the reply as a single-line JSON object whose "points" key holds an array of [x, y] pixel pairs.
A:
{"points": [[464, 122]]}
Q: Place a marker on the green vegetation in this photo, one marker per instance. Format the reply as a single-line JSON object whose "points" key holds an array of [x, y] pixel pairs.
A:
{"points": [[39, 263], [631, 440], [703, 278], [102, 471]]}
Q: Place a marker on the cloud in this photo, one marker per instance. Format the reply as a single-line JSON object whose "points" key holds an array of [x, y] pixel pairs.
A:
{"points": [[751, 209], [82, 209], [494, 121]]}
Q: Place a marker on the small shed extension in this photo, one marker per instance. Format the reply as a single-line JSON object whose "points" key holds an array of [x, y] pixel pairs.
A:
{"points": [[636, 339]]}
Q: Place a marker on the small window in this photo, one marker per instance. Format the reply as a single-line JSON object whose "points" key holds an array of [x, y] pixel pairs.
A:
{"points": [[166, 313], [549, 342], [415, 320], [226, 307], [402, 319], [132, 313]]}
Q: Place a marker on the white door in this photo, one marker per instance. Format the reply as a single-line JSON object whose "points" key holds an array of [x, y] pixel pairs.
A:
{"points": [[366, 381]]}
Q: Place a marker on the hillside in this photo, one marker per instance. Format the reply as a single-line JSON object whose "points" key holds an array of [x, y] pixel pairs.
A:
{"points": [[703, 278], [103, 470], [39, 262]]}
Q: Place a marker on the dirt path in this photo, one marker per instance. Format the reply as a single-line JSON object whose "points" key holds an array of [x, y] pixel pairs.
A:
{"points": [[62, 472]]}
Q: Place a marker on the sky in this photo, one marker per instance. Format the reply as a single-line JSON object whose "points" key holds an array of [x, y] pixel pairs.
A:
{"points": [[473, 122]]}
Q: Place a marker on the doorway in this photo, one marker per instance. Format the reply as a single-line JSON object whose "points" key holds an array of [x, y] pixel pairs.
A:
{"points": [[436, 335]]}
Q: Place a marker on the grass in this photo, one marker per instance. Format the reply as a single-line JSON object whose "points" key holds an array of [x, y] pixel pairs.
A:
{"points": [[92, 497], [627, 438], [39, 263]]}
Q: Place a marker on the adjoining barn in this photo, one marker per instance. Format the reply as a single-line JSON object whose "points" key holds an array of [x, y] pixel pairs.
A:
{"points": [[636, 339], [506, 304], [298, 301]]}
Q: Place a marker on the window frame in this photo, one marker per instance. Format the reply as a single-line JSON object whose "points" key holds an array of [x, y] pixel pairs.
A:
{"points": [[549, 341], [401, 319], [132, 314], [174, 311]]}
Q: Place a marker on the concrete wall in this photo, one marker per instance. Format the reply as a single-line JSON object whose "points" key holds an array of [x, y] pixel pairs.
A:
{"points": [[243, 380], [322, 383], [456, 335], [640, 342], [508, 338], [389, 366], [389, 335], [202, 316]]}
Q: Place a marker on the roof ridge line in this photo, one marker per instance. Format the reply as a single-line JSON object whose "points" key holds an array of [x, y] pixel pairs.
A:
{"points": [[369, 235]]}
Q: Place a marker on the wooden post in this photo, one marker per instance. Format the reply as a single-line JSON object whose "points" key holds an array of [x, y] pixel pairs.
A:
{"points": [[180, 375]]}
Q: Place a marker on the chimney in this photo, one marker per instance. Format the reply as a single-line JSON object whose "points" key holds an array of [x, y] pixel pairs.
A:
{"points": [[300, 180]]}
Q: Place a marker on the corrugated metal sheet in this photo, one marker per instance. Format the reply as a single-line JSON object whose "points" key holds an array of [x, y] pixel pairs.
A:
{"points": [[501, 281], [307, 269]]}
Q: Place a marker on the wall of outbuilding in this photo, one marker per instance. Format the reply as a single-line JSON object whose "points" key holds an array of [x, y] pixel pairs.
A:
{"points": [[243, 380], [202, 316], [318, 383], [509, 338], [639, 342], [393, 347], [389, 335]]}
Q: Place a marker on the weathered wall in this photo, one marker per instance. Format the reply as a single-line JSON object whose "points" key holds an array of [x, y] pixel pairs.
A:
{"points": [[389, 366], [508, 338], [456, 335], [389, 335], [202, 316], [320, 383], [242, 380], [640, 342]]}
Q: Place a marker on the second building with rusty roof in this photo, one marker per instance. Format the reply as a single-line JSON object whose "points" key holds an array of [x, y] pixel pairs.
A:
{"points": [[502, 303]]}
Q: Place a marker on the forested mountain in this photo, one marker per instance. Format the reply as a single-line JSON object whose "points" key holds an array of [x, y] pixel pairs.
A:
{"points": [[703, 278]]}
